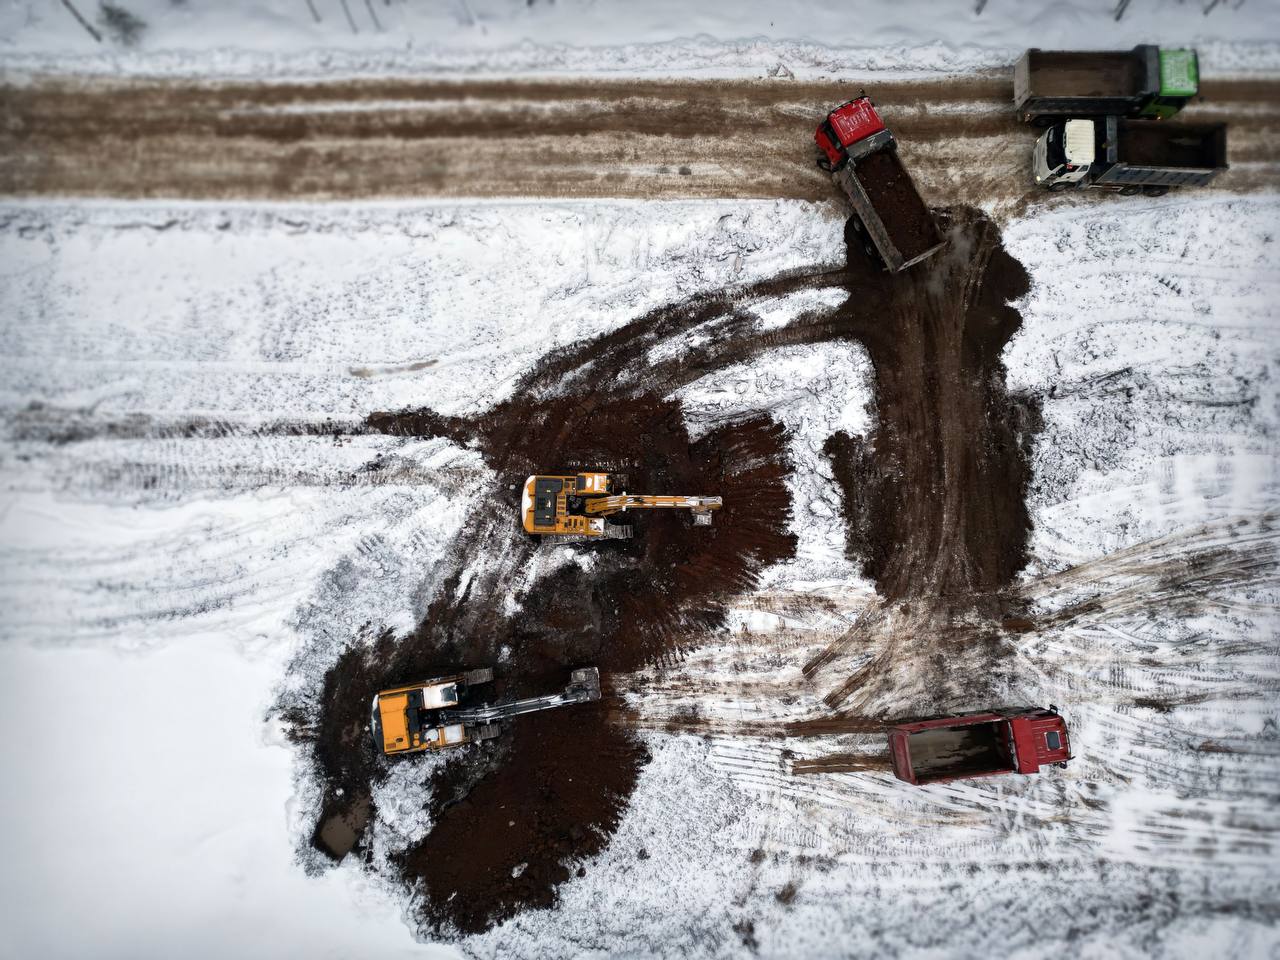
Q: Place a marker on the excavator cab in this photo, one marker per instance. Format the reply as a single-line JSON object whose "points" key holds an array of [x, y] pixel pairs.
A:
{"points": [[578, 505], [413, 718]]}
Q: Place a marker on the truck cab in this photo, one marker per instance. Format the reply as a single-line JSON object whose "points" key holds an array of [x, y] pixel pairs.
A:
{"points": [[851, 130], [1179, 83], [1065, 154]]}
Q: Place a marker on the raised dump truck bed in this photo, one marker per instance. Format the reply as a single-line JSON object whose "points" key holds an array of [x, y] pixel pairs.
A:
{"points": [[898, 228], [886, 201]]}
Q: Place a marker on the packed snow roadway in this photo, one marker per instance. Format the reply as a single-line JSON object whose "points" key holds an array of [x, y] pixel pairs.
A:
{"points": [[262, 459]]}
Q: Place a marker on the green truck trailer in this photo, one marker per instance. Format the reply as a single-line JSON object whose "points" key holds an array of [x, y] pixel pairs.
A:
{"points": [[1146, 82]]}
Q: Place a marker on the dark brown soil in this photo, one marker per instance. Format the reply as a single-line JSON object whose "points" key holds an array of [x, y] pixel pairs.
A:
{"points": [[529, 826], [933, 497], [644, 596], [896, 200], [1168, 145], [562, 777]]}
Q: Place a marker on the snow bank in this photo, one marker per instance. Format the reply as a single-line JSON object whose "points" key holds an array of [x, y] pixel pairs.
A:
{"points": [[750, 38]]}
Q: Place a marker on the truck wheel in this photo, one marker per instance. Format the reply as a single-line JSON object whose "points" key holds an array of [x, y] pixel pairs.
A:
{"points": [[1043, 122], [872, 254], [1130, 191], [1155, 191], [1059, 187], [857, 225]]}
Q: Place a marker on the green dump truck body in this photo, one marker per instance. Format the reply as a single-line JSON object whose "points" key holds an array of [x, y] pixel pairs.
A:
{"points": [[1147, 81]]}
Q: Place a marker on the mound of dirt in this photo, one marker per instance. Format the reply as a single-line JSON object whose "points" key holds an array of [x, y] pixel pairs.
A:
{"points": [[511, 818], [524, 829], [934, 497]]}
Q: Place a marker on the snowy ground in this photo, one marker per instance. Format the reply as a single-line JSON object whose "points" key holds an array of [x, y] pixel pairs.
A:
{"points": [[148, 572], [171, 509]]}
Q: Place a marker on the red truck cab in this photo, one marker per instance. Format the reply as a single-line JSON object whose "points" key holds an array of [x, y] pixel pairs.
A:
{"points": [[851, 129], [978, 745]]}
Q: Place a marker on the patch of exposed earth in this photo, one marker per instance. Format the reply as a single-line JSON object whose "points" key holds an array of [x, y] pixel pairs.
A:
{"points": [[934, 506]]}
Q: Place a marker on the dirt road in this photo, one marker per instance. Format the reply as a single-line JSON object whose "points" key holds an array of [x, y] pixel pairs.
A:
{"points": [[429, 138]]}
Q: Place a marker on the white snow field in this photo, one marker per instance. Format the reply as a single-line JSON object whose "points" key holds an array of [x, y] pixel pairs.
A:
{"points": [[157, 585], [166, 546]]}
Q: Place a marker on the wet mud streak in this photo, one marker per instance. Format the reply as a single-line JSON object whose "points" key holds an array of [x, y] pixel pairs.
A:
{"points": [[351, 139], [934, 497]]}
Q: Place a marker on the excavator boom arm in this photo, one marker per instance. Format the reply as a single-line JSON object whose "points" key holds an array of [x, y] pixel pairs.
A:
{"points": [[605, 506], [584, 685]]}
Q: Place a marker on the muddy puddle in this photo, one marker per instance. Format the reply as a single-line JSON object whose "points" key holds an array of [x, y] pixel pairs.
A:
{"points": [[933, 504]]}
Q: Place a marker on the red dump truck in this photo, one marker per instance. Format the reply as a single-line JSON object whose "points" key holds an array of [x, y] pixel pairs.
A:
{"points": [[857, 148], [978, 745]]}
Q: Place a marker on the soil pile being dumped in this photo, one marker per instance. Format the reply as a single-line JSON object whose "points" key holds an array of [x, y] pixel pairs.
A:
{"points": [[905, 216]]}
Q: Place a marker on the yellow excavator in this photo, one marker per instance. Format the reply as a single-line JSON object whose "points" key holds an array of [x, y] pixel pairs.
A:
{"points": [[440, 713], [578, 505]]}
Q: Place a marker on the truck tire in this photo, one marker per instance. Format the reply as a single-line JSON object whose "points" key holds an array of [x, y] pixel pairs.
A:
{"points": [[1154, 191], [857, 226], [872, 254], [1130, 191], [1043, 122], [1060, 187]]}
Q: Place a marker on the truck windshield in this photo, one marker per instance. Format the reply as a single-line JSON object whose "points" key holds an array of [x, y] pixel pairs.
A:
{"points": [[1055, 152]]}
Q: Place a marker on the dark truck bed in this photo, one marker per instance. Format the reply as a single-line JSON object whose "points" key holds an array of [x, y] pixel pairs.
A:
{"points": [[1083, 83], [946, 752], [1161, 154], [890, 208]]}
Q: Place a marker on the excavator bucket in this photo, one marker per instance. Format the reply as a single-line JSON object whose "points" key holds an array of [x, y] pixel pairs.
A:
{"points": [[586, 680]]}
